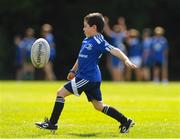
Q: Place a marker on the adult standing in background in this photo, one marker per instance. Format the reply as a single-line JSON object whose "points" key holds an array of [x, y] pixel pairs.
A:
{"points": [[160, 55], [18, 57], [122, 24], [25, 46], [117, 38], [146, 54], [134, 53], [47, 34]]}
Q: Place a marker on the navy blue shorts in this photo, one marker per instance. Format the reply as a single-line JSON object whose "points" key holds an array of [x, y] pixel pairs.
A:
{"points": [[92, 89]]}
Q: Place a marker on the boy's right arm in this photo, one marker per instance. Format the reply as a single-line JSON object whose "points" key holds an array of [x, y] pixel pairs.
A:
{"points": [[73, 71]]}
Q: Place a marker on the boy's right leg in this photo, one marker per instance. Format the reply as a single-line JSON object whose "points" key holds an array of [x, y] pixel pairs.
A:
{"points": [[58, 107], [110, 111], [126, 123]]}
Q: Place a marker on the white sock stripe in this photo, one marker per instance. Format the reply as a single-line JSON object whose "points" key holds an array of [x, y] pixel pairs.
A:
{"points": [[106, 109], [82, 84], [60, 100]]}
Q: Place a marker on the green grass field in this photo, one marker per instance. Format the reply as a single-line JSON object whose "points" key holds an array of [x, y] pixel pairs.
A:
{"points": [[154, 108]]}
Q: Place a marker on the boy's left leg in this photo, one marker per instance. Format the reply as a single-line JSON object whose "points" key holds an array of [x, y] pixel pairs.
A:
{"points": [[58, 107], [115, 114]]}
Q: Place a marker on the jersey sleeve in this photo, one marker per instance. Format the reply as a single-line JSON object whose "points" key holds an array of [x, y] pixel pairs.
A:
{"points": [[105, 47]]}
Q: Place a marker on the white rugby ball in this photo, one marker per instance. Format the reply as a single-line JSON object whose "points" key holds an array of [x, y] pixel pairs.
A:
{"points": [[40, 52]]}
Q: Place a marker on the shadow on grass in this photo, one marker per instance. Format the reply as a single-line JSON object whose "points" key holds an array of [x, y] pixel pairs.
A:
{"points": [[84, 135]]}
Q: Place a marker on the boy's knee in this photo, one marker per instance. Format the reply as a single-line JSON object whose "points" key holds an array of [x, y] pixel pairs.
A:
{"points": [[63, 92], [99, 107], [60, 93]]}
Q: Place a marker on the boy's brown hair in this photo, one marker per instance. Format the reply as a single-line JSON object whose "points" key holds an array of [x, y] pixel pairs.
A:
{"points": [[95, 19]]}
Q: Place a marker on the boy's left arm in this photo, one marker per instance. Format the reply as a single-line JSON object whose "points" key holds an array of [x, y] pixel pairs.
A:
{"points": [[73, 71], [118, 53]]}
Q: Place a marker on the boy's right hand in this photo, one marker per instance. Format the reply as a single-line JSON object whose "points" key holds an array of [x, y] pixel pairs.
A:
{"points": [[130, 65], [70, 75]]}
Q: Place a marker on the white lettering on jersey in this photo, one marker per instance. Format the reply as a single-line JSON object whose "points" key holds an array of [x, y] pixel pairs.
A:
{"points": [[89, 47], [84, 41], [83, 56]]}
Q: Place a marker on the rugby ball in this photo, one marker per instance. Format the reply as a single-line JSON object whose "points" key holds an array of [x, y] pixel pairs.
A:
{"points": [[40, 52]]}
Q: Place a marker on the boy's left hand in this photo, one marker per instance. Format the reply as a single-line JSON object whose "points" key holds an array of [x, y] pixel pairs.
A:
{"points": [[130, 65], [70, 76]]}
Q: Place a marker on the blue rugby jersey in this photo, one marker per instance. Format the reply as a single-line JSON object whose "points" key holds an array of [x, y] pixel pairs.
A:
{"points": [[25, 47], [90, 53], [118, 39], [146, 50], [135, 48], [159, 45], [50, 39]]}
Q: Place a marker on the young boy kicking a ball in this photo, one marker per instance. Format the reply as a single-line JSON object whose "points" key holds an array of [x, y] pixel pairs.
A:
{"points": [[85, 76]]}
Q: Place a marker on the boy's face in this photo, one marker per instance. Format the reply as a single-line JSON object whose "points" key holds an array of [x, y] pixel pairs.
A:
{"points": [[89, 31]]}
